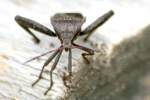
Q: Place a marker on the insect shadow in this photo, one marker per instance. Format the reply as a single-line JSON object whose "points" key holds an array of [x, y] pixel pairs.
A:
{"points": [[67, 27]]}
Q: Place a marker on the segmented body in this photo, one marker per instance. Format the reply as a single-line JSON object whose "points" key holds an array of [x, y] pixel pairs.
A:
{"points": [[67, 26]]}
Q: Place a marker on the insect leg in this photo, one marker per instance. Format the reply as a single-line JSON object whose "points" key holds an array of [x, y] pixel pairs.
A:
{"points": [[88, 50], [68, 77], [45, 64], [70, 63], [34, 58], [26, 23], [98, 22], [51, 71]]}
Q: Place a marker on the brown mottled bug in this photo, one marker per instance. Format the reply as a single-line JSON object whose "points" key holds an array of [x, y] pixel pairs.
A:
{"points": [[67, 28]]}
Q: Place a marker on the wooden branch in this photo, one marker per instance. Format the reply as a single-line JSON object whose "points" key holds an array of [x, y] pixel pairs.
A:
{"points": [[117, 77]]}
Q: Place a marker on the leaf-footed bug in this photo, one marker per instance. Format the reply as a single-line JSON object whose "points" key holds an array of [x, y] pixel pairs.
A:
{"points": [[67, 28]]}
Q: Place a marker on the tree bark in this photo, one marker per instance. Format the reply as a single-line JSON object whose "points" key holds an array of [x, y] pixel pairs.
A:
{"points": [[117, 76]]}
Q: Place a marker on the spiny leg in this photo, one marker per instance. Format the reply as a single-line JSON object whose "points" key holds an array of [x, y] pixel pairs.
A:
{"points": [[68, 77], [45, 64], [98, 22], [51, 71], [26, 23], [88, 50]]}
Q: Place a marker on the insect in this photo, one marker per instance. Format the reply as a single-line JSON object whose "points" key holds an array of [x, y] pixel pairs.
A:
{"points": [[67, 27]]}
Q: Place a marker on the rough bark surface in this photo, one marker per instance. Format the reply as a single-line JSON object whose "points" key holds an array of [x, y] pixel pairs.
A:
{"points": [[118, 78]]}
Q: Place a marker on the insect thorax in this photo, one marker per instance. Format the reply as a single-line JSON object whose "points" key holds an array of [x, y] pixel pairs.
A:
{"points": [[67, 25], [67, 22]]}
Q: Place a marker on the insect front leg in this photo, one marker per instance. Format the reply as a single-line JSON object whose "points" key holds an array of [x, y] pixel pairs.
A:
{"points": [[51, 71], [45, 64], [26, 23], [87, 54], [88, 50]]}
